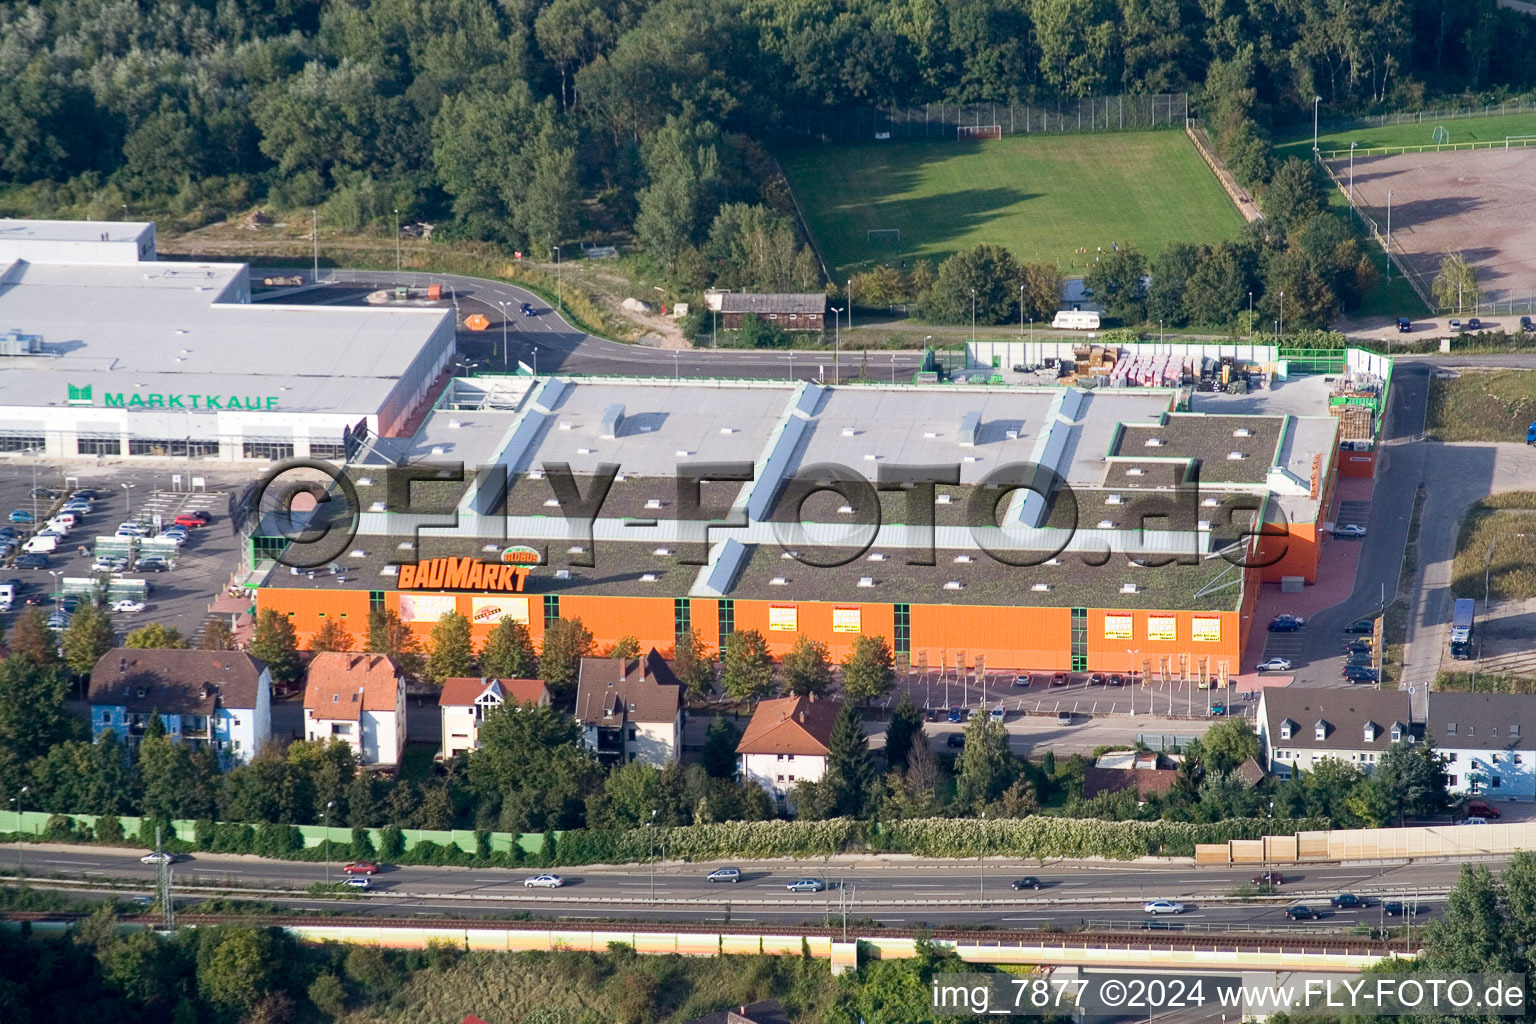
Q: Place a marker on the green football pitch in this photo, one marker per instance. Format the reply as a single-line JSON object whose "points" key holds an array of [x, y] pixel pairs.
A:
{"points": [[1046, 198], [1487, 130]]}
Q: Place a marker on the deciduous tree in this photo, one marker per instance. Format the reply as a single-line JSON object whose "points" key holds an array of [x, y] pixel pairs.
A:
{"points": [[388, 635], [332, 636], [904, 729], [566, 642], [748, 666], [156, 635], [87, 637], [508, 652], [453, 652], [869, 670], [273, 642], [806, 669]]}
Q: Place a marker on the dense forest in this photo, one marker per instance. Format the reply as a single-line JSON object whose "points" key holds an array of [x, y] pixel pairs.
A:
{"points": [[540, 122]]}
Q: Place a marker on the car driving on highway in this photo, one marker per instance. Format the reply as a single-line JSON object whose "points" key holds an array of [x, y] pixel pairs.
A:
{"points": [[806, 885], [1347, 900], [1027, 882], [158, 857], [543, 882], [359, 867], [1162, 907], [1302, 912], [724, 875]]}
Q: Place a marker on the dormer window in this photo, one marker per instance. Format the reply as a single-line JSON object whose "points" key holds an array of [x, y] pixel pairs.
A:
{"points": [[1285, 729], [1370, 732], [1320, 731], [1397, 733]]}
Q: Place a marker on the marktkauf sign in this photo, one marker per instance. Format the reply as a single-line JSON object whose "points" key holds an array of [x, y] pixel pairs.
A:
{"points": [[154, 400]]}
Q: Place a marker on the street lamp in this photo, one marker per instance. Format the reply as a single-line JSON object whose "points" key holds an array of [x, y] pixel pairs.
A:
{"points": [[128, 499], [837, 347], [34, 451], [505, 316], [559, 289], [16, 801], [328, 805], [1352, 146], [397, 240], [973, 317], [1021, 311], [652, 837], [1390, 194], [1315, 101], [1250, 316], [1280, 324], [1132, 654], [677, 373]]}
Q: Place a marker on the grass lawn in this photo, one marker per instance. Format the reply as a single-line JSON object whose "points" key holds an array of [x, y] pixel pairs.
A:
{"points": [[1471, 129], [1496, 405], [1041, 196], [1507, 523]]}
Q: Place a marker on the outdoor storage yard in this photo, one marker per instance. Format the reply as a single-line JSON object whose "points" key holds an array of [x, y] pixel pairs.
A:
{"points": [[1475, 201]]}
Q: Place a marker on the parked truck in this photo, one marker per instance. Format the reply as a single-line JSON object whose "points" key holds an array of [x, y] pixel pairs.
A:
{"points": [[1461, 628]]}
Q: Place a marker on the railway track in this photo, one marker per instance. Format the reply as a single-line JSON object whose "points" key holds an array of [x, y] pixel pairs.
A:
{"points": [[1337, 944]]}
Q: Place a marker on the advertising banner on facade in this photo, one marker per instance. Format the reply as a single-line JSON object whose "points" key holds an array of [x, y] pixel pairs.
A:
{"points": [[1205, 631], [426, 607], [783, 618], [1162, 627], [491, 610], [847, 620], [1118, 627]]}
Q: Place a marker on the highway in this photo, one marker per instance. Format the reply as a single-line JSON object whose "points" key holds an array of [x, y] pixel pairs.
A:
{"points": [[903, 893]]}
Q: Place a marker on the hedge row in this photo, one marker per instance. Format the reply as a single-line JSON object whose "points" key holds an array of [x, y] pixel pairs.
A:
{"points": [[1033, 837]]}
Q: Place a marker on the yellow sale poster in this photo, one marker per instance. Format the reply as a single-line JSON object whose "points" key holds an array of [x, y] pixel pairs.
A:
{"points": [[783, 619], [1162, 627], [1207, 631], [847, 620], [1117, 627]]}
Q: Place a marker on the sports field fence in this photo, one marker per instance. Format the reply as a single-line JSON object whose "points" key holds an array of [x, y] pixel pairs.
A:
{"points": [[1416, 280], [1509, 142], [1516, 105], [988, 119]]}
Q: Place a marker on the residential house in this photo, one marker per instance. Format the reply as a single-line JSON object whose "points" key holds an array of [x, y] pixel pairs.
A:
{"points": [[1145, 771], [466, 700], [630, 709], [793, 312], [221, 699], [786, 743], [769, 1011], [1300, 726], [360, 699], [1488, 742]]}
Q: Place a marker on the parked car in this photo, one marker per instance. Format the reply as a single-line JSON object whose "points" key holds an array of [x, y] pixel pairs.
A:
{"points": [[1474, 324], [33, 560], [1027, 882], [732, 875], [1365, 626], [957, 714], [58, 620], [1286, 624], [1474, 821], [1096, 679], [109, 563], [43, 492], [1347, 900], [1404, 325], [1527, 325], [158, 857], [997, 714], [1162, 907], [359, 867], [1116, 679], [1360, 674], [1360, 660], [127, 606], [357, 882], [955, 741], [1275, 665], [1482, 809], [70, 602], [1218, 710], [89, 494], [1397, 908], [1269, 878], [153, 563], [1059, 679], [21, 515], [1350, 530], [1063, 718], [1021, 680], [190, 520], [807, 885], [8, 533], [1302, 912], [1454, 325], [543, 882], [1358, 647]]}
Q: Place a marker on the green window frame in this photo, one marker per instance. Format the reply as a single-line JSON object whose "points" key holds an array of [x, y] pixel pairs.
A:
{"points": [[682, 616], [903, 639], [1079, 639], [551, 609], [726, 618]]}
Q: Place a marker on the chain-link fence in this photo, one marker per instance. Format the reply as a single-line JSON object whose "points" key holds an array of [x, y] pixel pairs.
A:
{"points": [[942, 120], [1518, 105], [1416, 280]]}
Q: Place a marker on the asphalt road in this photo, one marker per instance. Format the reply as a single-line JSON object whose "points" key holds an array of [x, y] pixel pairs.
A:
{"points": [[902, 893], [547, 343]]}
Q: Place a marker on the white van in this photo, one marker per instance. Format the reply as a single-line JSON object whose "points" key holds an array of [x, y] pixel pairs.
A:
{"points": [[43, 543], [59, 526], [68, 518], [7, 596], [1075, 320]]}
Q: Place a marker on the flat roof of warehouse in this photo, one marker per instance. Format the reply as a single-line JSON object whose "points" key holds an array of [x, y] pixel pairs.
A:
{"points": [[73, 230], [159, 328]]}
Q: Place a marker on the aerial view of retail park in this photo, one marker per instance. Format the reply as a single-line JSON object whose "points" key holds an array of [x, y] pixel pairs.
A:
{"points": [[588, 512]]}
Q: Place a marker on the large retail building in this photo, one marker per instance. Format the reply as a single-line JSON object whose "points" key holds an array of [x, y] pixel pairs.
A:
{"points": [[1146, 559], [108, 352]]}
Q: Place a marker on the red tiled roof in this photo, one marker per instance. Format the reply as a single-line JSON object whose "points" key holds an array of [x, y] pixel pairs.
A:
{"points": [[790, 725], [614, 690], [462, 691], [344, 684], [1146, 781]]}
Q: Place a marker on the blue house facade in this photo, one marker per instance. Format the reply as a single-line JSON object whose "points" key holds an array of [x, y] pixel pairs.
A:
{"points": [[1488, 743], [216, 699]]}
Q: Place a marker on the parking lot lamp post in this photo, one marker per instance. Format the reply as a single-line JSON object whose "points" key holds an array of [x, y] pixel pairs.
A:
{"points": [[981, 874], [1390, 194], [128, 499], [1133, 654], [1352, 146], [649, 826], [505, 316], [398, 263], [1316, 101], [1250, 316], [314, 234], [837, 345], [1280, 324], [16, 802], [1021, 311], [559, 289]]}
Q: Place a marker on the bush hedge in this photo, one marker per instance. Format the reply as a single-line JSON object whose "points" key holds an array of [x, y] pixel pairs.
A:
{"points": [[1032, 837]]}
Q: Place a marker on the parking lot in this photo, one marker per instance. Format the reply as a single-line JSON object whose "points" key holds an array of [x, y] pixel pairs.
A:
{"points": [[178, 597], [1079, 693]]}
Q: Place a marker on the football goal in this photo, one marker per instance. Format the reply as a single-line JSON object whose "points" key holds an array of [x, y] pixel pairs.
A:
{"points": [[979, 131], [882, 236], [1441, 136]]}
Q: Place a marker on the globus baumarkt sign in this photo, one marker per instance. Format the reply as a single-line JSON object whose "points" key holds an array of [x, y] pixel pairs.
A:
{"points": [[462, 574], [155, 400]]}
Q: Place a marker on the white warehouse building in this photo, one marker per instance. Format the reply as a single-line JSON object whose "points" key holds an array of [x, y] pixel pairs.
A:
{"points": [[103, 356]]}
